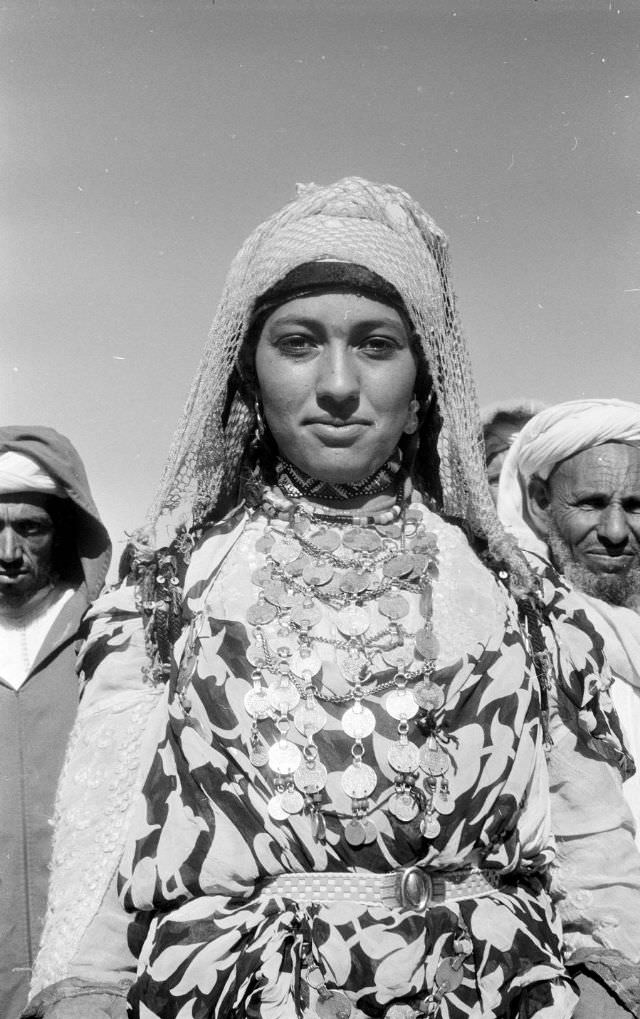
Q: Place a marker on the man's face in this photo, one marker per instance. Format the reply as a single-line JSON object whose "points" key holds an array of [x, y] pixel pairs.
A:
{"points": [[594, 517], [27, 542]]}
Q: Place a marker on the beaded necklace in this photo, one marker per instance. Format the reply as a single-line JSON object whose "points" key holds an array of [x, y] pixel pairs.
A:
{"points": [[293, 482], [308, 565]]}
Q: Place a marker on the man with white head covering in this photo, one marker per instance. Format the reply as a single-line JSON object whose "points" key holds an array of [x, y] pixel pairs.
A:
{"points": [[570, 493], [54, 555]]}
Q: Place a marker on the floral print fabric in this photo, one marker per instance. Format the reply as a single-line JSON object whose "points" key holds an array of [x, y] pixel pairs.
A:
{"points": [[216, 944], [595, 878]]}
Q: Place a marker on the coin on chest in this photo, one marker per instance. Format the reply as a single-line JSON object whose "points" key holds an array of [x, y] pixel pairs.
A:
{"points": [[359, 539], [333, 1005], [309, 719], [292, 801], [434, 760], [353, 621], [351, 663], [256, 656], [398, 657], [370, 831], [262, 576], [284, 757], [430, 827], [277, 594], [326, 540], [354, 581], [310, 778], [317, 574], [295, 568], [404, 757], [358, 781], [393, 605], [305, 613], [358, 722], [258, 754], [283, 696], [401, 704], [305, 664], [444, 803], [283, 552], [448, 974], [403, 806], [425, 542], [265, 543], [354, 832], [257, 703], [261, 613], [275, 809], [427, 644], [400, 565], [428, 695]]}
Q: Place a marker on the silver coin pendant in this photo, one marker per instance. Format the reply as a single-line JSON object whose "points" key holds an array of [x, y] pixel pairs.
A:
{"points": [[284, 757], [401, 704], [358, 781], [358, 722]]}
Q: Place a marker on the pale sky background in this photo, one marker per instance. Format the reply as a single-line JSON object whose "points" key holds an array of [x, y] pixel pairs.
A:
{"points": [[144, 139]]}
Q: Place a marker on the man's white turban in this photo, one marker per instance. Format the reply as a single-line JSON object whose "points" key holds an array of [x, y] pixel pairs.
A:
{"points": [[19, 473], [551, 436]]}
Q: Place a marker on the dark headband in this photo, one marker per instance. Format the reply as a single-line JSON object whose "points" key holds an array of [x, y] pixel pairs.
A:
{"points": [[328, 277]]}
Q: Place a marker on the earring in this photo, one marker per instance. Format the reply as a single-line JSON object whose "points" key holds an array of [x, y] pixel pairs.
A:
{"points": [[411, 425], [257, 440], [260, 425]]}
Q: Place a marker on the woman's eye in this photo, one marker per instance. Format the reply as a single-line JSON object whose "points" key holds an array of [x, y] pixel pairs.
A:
{"points": [[379, 345], [295, 344]]}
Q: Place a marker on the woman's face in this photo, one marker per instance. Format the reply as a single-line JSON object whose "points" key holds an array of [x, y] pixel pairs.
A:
{"points": [[336, 373]]}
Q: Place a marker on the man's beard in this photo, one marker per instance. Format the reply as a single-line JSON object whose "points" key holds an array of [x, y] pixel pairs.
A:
{"points": [[614, 588]]}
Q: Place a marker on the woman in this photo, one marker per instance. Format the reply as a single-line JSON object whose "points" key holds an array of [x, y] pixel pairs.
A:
{"points": [[345, 813]]}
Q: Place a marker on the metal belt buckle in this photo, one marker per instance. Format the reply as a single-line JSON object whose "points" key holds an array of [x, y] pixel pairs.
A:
{"points": [[414, 888]]}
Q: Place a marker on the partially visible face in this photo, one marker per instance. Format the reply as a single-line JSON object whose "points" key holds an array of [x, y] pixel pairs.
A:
{"points": [[336, 373], [497, 439], [595, 520], [27, 543]]}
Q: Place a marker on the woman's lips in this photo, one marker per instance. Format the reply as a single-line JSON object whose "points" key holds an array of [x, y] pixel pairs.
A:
{"points": [[340, 432]]}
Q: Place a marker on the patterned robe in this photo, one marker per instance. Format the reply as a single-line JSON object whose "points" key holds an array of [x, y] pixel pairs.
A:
{"points": [[214, 942], [596, 874]]}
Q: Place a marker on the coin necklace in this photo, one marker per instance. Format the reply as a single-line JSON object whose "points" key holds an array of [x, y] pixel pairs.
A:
{"points": [[305, 566]]}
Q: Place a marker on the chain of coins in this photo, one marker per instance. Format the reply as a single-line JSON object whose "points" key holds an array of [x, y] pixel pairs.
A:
{"points": [[307, 566]]}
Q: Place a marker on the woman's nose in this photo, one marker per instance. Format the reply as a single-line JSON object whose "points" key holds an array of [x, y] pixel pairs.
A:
{"points": [[338, 378]]}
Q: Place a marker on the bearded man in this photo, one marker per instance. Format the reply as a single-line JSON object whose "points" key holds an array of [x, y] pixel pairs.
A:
{"points": [[570, 493], [54, 555]]}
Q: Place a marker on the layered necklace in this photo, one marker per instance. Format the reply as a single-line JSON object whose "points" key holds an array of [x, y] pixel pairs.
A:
{"points": [[319, 558]]}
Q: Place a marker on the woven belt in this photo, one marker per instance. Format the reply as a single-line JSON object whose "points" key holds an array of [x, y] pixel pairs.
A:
{"points": [[409, 888]]}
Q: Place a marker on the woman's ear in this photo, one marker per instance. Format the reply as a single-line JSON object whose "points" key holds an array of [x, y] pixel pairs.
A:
{"points": [[539, 504]]}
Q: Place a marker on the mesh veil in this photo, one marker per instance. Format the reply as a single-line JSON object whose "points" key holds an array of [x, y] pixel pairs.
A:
{"points": [[380, 227]]}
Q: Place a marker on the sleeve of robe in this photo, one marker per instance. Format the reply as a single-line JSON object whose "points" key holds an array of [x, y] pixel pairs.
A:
{"points": [[85, 944]]}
